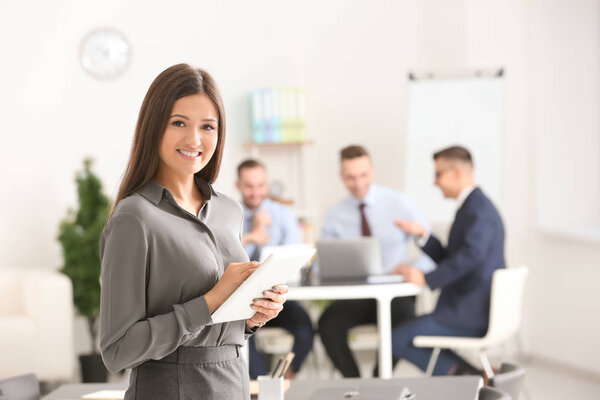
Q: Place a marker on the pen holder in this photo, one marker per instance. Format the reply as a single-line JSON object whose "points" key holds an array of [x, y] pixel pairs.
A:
{"points": [[270, 388]]}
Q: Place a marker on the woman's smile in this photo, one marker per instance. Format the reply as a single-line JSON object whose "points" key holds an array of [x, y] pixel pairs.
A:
{"points": [[190, 155]]}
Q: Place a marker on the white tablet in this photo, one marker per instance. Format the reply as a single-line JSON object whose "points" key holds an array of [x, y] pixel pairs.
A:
{"points": [[278, 268]]}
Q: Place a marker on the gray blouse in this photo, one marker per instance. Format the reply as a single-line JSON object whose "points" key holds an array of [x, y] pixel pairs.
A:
{"points": [[157, 262]]}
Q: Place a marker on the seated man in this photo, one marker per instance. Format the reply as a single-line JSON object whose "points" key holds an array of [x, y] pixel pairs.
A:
{"points": [[269, 223], [464, 269], [369, 210]]}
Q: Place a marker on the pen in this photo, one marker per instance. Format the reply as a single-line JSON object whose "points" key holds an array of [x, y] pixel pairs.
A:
{"points": [[283, 368], [274, 372], [286, 363]]}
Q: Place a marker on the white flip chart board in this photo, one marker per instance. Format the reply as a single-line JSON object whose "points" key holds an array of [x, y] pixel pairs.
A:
{"points": [[445, 112]]}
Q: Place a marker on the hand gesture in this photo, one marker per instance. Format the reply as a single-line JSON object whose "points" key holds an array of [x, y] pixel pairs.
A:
{"points": [[413, 275], [268, 307], [257, 236], [400, 269], [410, 227], [261, 220], [232, 278]]}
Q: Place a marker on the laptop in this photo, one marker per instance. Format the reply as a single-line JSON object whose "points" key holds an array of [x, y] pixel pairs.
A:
{"points": [[363, 391], [349, 260]]}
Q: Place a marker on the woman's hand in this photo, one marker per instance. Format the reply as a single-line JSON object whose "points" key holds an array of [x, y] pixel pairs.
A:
{"points": [[232, 278], [268, 307]]}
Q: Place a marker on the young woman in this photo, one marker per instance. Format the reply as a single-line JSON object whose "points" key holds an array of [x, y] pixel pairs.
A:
{"points": [[171, 253]]}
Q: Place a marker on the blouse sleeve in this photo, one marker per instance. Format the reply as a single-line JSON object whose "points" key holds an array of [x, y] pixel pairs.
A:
{"points": [[127, 336]]}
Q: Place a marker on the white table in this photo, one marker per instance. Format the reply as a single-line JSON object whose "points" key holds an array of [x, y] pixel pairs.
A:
{"points": [[382, 292]]}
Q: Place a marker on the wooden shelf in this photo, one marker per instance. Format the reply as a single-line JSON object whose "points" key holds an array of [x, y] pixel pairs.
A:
{"points": [[294, 158]]}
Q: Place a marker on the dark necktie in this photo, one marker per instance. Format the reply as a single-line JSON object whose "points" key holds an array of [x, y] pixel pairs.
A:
{"points": [[364, 224]]}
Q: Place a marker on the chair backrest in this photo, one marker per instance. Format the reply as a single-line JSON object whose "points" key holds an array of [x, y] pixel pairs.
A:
{"points": [[25, 387], [509, 379], [506, 302], [488, 393]]}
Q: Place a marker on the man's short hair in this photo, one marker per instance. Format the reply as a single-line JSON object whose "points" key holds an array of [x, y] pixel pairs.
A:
{"points": [[249, 163], [454, 153], [353, 151]]}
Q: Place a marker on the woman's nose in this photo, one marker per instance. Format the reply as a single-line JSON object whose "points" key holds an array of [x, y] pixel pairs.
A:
{"points": [[196, 137]]}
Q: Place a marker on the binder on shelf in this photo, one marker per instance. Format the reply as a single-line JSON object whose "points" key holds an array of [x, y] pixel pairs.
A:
{"points": [[301, 131], [276, 133], [278, 115], [267, 103], [258, 128]]}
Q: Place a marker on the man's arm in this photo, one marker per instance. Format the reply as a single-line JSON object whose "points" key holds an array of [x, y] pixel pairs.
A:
{"points": [[258, 232], [470, 256], [434, 249], [432, 246], [424, 262]]}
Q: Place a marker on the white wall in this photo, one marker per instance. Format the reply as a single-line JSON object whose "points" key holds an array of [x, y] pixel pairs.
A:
{"points": [[564, 66], [352, 57], [54, 114], [565, 87], [551, 52]]}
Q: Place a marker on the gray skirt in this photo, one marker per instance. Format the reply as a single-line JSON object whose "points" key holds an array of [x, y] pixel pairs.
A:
{"points": [[192, 373]]}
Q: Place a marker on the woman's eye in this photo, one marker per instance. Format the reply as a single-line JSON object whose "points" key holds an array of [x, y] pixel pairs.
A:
{"points": [[179, 124], [208, 127]]}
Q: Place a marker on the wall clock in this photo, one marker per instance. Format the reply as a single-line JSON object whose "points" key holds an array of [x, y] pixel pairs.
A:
{"points": [[105, 53]]}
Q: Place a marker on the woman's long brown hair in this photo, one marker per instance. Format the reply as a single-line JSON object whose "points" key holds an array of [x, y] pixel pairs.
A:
{"points": [[172, 84]]}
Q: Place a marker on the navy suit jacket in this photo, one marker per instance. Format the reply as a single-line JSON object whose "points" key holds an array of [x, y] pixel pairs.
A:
{"points": [[464, 271]]}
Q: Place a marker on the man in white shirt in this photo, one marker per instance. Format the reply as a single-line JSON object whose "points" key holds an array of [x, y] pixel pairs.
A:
{"points": [[369, 210]]}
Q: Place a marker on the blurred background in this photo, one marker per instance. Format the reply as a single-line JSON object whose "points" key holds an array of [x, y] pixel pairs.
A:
{"points": [[352, 60]]}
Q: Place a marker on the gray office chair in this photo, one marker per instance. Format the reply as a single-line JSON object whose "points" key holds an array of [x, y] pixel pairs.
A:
{"points": [[24, 387], [509, 379], [489, 393]]}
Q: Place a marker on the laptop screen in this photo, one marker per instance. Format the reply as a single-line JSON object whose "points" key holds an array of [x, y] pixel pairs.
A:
{"points": [[349, 258]]}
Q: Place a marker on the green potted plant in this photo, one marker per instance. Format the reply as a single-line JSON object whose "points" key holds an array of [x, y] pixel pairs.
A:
{"points": [[79, 235]]}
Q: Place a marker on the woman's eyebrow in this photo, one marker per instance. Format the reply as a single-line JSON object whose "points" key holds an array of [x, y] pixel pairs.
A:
{"points": [[184, 117]]}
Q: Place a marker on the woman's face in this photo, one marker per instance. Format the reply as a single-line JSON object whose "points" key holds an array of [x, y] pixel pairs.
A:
{"points": [[190, 138]]}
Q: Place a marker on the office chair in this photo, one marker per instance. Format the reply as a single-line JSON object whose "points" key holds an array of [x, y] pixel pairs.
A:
{"points": [[509, 379], [24, 387], [505, 317], [488, 393]]}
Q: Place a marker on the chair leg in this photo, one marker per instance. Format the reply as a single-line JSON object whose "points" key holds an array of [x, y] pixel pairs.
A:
{"points": [[432, 361], [486, 365]]}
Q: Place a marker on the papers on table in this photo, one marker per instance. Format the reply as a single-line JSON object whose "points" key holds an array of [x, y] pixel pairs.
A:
{"points": [[392, 278], [105, 395]]}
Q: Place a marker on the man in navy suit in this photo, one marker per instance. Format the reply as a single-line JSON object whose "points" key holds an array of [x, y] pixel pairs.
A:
{"points": [[464, 268]]}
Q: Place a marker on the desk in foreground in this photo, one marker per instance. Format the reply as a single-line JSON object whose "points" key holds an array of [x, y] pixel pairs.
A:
{"points": [[425, 388], [74, 391]]}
